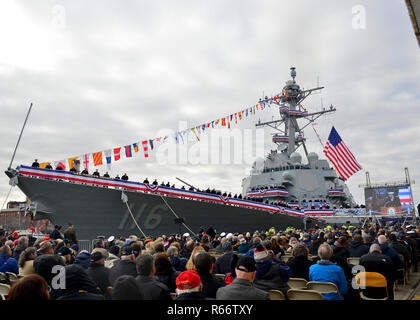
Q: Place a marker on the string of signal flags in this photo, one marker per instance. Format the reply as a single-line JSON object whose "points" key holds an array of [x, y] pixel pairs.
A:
{"points": [[109, 156]]}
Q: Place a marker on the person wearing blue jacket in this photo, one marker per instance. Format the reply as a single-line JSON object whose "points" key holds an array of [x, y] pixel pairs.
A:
{"points": [[326, 271], [388, 251], [7, 262]]}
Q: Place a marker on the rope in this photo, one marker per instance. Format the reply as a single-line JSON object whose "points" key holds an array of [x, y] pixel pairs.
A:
{"points": [[176, 215], [129, 210], [7, 197]]}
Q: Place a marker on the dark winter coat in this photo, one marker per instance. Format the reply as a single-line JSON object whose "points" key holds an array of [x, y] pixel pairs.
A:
{"points": [[357, 249], [299, 267], [392, 254], [121, 268], [100, 275], [272, 275], [78, 286], [381, 263], [153, 289], [178, 263], [192, 296], [402, 249], [210, 284], [168, 279], [223, 263]]}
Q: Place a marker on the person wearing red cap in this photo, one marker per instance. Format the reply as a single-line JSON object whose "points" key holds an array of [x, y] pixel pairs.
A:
{"points": [[189, 286]]}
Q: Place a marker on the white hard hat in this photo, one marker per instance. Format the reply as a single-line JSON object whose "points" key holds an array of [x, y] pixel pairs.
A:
{"points": [[111, 238]]}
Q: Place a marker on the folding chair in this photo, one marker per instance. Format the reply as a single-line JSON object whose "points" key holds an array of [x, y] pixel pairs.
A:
{"points": [[4, 289], [366, 280], [276, 295], [297, 283], [354, 261], [12, 276], [220, 275], [3, 276], [295, 294], [323, 287], [404, 269], [284, 258], [2, 297]]}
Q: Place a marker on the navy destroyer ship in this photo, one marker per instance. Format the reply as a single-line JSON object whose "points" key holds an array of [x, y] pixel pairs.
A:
{"points": [[282, 191]]}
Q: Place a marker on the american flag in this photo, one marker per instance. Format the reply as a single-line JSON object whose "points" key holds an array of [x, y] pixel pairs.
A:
{"points": [[341, 157]]}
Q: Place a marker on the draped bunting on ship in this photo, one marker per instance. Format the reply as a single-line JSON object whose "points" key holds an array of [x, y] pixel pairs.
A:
{"points": [[114, 154]]}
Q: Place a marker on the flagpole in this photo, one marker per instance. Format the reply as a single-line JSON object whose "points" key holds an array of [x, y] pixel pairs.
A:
{"points": [[20, 136]]}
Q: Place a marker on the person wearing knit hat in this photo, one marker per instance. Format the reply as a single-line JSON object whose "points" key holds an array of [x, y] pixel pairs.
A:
{"points": [[260, 253], [189, 286], [271, 274]]}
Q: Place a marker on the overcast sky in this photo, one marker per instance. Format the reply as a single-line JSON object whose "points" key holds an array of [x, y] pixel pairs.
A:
{"points": [[103, 74]]}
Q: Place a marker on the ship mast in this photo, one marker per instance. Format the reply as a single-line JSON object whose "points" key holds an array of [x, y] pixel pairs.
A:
{"points": [[290, 111]]}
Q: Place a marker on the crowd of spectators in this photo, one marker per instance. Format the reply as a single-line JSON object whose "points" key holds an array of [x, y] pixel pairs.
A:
{"points": [[204, 266]]}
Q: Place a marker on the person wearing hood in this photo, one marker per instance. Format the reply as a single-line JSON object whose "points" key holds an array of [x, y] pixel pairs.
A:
{"points": [[224, 261], [43, 266], [388, 251], [83, 259], [270, 273], [78, 285], [357, 248], [339, 248]]}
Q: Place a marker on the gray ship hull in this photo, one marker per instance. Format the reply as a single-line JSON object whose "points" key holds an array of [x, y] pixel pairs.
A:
{"points": [[100, 211]]}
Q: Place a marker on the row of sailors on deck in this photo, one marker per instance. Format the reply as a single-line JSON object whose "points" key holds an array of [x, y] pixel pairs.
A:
{"points": [[35, 164], [266, 188]]}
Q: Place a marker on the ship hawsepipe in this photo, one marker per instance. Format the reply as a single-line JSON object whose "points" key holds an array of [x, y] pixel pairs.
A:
{"points": [[95, 207]]}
